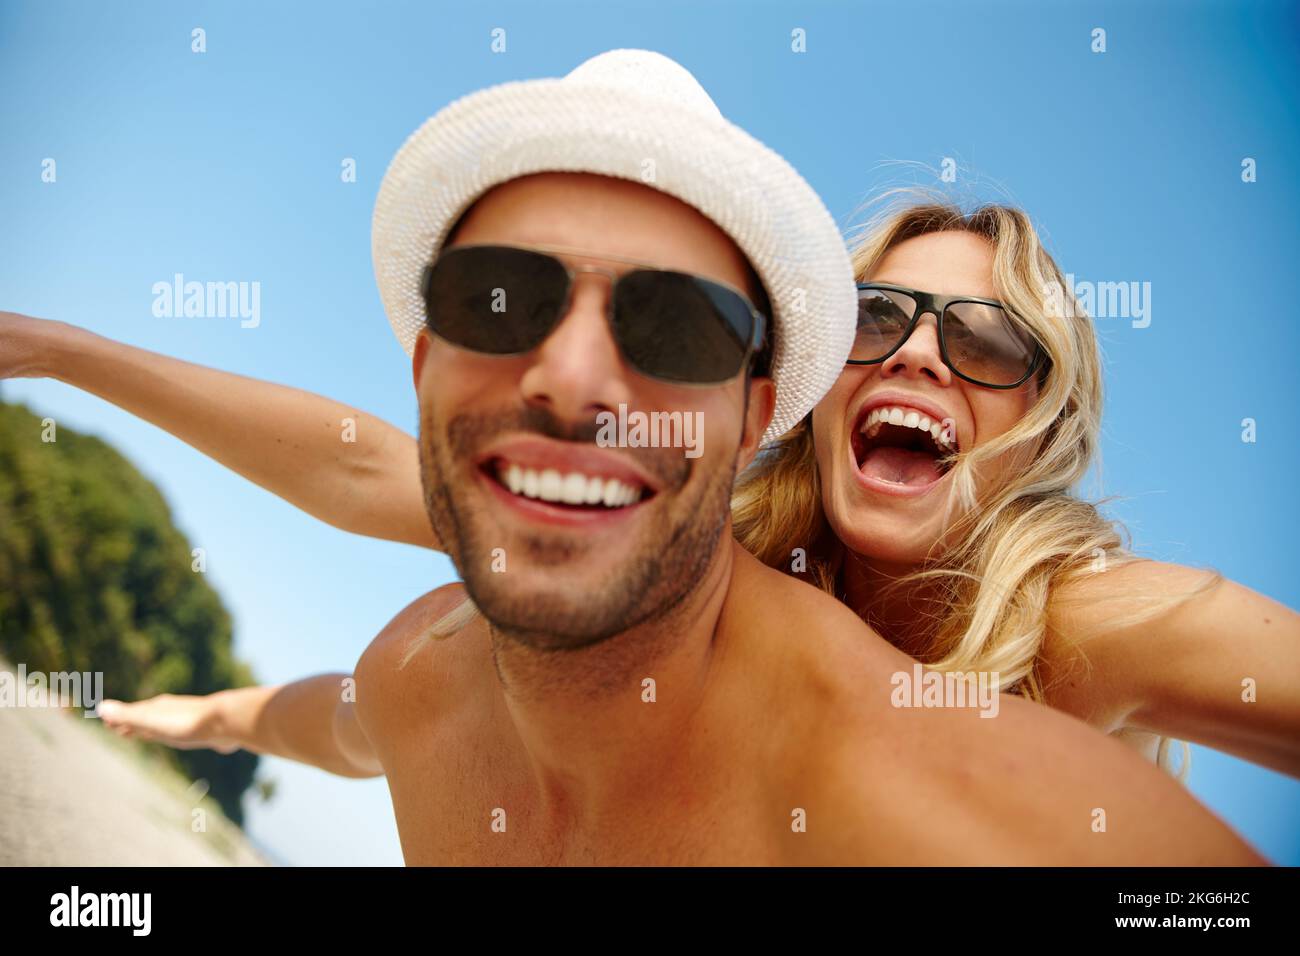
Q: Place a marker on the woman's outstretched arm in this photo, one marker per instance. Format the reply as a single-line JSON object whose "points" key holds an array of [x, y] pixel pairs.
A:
{"points": [[311, 721], [1220, 669], [288, 441]]}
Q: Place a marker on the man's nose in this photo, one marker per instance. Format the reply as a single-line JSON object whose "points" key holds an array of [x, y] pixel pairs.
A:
{"points": [[919, 356], [578, 370]]}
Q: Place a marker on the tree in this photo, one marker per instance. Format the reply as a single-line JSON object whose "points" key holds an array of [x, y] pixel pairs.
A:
{"points": [[95, 577]]}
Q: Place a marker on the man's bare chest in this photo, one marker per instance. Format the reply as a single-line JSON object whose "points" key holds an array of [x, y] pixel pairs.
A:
{"points": [[460, 803]]}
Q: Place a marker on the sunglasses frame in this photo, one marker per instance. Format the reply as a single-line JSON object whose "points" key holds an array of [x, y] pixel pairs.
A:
{"points": [[927, 303], [752, 347]]}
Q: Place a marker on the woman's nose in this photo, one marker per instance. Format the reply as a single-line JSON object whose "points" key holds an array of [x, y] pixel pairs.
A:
{"points": [[919, 356]]}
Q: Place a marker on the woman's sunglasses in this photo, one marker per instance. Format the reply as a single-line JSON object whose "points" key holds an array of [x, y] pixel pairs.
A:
{"points": [[979, 339], [670, 326]]}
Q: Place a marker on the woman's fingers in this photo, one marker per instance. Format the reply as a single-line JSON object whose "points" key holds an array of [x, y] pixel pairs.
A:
{"points": [[178, 721]]}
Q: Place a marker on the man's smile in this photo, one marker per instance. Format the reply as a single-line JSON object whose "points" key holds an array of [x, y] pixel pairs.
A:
{"points": [[560, 482]]}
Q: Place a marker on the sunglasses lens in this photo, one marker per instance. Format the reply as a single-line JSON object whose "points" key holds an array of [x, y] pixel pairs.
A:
{"points": [[984, 343], [494, 299], [680, 328], [883, 316]]}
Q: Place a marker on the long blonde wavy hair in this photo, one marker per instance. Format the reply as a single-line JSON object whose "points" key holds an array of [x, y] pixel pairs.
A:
{"points": [[1008, 548]]}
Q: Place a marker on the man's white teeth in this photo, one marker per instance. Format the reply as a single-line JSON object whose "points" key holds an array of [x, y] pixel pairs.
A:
{"points": [[574, 488], [908, 418]]}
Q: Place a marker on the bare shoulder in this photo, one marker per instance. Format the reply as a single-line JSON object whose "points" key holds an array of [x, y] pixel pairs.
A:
{"points": [[427, 648], [1093, 603], [402, 634], [1026, 786], [1107, 629], [887, 780], [820, 659], [780, 602]]}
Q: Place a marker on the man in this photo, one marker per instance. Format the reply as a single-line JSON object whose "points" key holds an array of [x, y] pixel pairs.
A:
{"points": [[637, 688]]}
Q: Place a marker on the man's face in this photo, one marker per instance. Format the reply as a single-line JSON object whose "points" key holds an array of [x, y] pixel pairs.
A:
{"points": [[549, 573]]}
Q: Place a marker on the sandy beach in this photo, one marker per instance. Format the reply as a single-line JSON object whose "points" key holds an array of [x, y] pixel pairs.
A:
{"points": [[72, 794]]}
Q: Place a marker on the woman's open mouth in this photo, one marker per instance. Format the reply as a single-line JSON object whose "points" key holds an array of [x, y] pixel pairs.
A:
{"points": [[902, 447]]}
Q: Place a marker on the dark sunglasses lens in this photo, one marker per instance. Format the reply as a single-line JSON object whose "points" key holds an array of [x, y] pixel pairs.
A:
{"points": [[986, 344], [680, 328], [883, 316], [495, 299]]}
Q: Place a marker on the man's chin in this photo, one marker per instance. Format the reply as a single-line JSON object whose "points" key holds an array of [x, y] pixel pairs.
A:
{"points": [[533, 610]]}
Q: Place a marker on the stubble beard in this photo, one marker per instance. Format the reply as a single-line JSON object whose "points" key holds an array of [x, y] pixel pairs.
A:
{"points": [[656, 572]]}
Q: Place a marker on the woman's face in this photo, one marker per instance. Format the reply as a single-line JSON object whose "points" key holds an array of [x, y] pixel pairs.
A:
{"points": [[882, 490]]}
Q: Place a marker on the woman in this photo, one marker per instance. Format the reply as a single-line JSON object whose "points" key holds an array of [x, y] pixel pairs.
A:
{"points": [[959, 541], [976, 556]]}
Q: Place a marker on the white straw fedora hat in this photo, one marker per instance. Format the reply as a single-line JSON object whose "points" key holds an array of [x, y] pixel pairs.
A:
{"points": [[634, 115]]}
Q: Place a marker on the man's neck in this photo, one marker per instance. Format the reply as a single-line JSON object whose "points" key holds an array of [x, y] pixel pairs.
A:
{"points": [[602, 725]]}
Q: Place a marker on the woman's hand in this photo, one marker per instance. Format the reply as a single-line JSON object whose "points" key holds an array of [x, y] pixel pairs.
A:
{"points": [[180, 721]]}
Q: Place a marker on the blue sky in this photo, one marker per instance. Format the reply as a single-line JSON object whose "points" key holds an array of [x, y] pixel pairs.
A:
{"points": [[225, 166]]}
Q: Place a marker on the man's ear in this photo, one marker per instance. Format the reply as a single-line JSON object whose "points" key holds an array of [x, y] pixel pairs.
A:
{"points": [[758, 414], [418, 356]]}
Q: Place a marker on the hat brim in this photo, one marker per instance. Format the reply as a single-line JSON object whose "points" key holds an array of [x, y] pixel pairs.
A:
{"points": [[756, 197]]}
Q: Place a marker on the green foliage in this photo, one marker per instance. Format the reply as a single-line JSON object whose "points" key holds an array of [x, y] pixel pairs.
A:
{"points": [[95, 577]]}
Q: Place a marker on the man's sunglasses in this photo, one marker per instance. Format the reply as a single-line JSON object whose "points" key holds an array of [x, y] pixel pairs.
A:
{"points": [[670, 326], [979, 339]]}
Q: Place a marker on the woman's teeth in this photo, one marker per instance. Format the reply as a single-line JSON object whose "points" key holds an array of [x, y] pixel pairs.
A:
{"points": [[574, 488], [909, 418]]}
